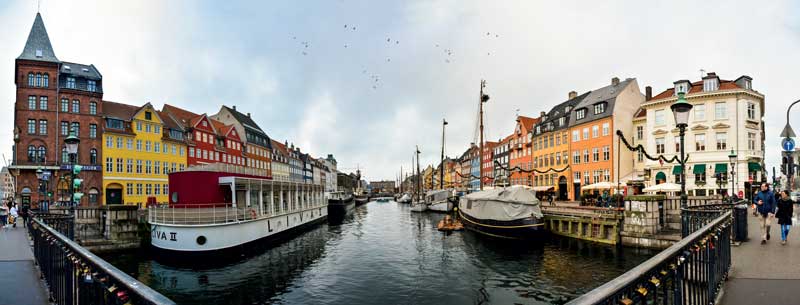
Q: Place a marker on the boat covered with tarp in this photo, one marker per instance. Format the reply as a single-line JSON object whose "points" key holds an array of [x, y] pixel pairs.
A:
{"points": [[508, 212]]}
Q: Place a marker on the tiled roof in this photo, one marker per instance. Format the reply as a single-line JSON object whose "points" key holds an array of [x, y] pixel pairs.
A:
{"points": [[119, 110], [528, 122], [281, 148], [38, 43], [169, 122], [184, 117], [640, 113], [560, 111], [606, 94], [246, 120], [698, 87], [81, 70]]}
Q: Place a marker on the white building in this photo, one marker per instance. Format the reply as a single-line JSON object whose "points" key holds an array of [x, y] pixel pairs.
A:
{"points": [[331, 183], [726, 116]]}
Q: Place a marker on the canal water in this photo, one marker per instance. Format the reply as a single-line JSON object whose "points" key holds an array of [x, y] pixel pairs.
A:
{"points": [[385, 254]]}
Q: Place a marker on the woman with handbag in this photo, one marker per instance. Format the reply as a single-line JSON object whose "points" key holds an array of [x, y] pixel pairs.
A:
{"points": [[13, 214], [784, 215]]}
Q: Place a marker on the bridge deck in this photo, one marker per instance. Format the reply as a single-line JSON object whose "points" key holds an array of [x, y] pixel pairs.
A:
{"points": [[765, 274], [18, 273]]}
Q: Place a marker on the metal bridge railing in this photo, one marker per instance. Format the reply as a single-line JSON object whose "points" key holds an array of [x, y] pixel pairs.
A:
{"points": [[76, 276], [63, 223], [689, 272]]}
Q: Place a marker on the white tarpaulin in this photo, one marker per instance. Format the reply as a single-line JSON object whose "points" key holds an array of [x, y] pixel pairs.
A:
{"points": [[599, 186], [503, 204], [664, 187], [436, 196]]}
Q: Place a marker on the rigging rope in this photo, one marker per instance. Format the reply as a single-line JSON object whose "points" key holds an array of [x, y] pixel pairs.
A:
{"points": [[640, 148]]}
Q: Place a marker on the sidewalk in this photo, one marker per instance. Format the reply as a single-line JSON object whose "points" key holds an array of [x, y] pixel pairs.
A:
{"points": [[765, 274], [19, 277]]}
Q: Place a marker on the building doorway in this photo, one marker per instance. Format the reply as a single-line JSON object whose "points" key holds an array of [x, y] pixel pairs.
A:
{"points": [[114, 193], [576, 189], [562, 188]]}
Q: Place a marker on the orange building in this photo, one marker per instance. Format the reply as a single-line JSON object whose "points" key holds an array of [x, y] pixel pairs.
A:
{"points": [[592, 124], [551, 149], [521, 150]]}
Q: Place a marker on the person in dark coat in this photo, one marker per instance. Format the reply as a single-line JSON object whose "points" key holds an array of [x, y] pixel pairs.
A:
{"points": [[764, 204], [784, 214]]}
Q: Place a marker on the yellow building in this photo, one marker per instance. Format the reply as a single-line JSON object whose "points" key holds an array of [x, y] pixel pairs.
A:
{"points": [[141, 147]]}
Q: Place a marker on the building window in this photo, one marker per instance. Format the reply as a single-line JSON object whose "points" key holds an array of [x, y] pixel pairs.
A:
{"points": [[561, 121], [720, 111], [147, 146], [129, 166], [138, 166], [119, 142], [606, 175], [42, 103], [751, 141], [722, 141], [710, 84], [92, 131], [595, 131], [148, 167], [700, 142], [138, 126], [157, 147], [659, 145], [31, 80], [585, 156], [114, 123], [46, 80], [138, 145], [639, 132], [76, 128], [596, 176], [31, 126], [32, 102], [751, 111], [64, 105], [31, 153], [606, 153], [43, 127], [595, 154], [658, 117], [575, 136], [586, 178], [91, 85], [157, 190], [700, 178], [42, 155], [156, 129], [699, 112], [76, 106], [138, 189], [586, 133], [93, 108], [606, 129], [129, 189], [580, 114], [71, 83], [38, 80], [148, 128], [109, 164], [191, 152], [64, 128], [599, 108], [119, 165], [640, 155], [129, 144], [157, 167], [576, 157]]}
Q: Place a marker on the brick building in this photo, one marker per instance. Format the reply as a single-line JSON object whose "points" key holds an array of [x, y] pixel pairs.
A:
{"points": [[55, 98]]}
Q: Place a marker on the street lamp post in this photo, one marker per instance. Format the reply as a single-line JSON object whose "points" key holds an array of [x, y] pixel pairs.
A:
{"points": [[732, 158], [71, 143], [42, 188], [680, 110]]}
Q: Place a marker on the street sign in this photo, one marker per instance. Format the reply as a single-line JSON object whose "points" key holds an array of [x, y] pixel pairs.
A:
{"points": [[787, 144]]}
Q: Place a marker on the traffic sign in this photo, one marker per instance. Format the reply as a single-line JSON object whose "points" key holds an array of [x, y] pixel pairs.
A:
{"points": [[787, 144]]}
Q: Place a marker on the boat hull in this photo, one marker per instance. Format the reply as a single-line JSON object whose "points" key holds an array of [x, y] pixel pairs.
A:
{"points": [[441, 206], [525, 228], [339, 208], [361, 200], [419, 207], [214, 238]]}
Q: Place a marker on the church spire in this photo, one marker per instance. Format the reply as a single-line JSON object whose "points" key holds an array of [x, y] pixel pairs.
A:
{"points": [[38, 45]]}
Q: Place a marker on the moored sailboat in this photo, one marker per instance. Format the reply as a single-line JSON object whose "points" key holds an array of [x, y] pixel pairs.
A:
{"points": [[508, 212]]}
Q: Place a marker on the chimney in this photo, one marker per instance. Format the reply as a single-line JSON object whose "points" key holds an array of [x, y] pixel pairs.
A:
{"points": [[572, 94], [648, 93], [234, 107], [248, 114], [542, 114], [615, 81]]}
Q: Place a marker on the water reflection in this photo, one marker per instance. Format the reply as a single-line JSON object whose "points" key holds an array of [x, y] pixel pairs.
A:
{"points": [[387, 254]]}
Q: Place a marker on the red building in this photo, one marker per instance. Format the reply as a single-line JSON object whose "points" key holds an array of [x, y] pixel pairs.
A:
{"points": [[487, 162], [207, 144], [53, 99], [521, 152]]}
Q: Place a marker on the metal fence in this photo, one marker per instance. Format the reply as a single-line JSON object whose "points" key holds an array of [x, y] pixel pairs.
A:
{"points": [[63, 223], [76, 276], [691, 271], [200, 214]]}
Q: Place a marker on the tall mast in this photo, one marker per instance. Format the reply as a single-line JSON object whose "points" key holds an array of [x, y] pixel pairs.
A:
{"points": [[419, 174], [483, 99], [441, 163]]}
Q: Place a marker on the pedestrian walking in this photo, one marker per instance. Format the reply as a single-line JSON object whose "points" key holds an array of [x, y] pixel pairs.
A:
{"points": [[550, 197], [14, 214], [764, 204], [784, 214], [26, 214], [3, 215]]}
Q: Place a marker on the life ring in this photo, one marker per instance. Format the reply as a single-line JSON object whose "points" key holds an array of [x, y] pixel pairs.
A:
{"points": [[252, 214]]}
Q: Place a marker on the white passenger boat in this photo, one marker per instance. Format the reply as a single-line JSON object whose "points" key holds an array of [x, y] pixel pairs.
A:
{"points": [[212, 211]]}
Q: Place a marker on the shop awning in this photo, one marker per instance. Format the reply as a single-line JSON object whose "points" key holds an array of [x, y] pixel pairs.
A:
{"points": [[699, 169], [720, 168], [661, 176], [677, 170], [753, 166]]}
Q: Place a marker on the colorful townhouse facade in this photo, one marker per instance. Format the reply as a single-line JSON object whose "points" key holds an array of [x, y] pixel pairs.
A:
{"points": [[522, 150], [141, 148], [727, 116], [487, 162], [257, 144], [500, 160], [551, 150], [593, 123]]}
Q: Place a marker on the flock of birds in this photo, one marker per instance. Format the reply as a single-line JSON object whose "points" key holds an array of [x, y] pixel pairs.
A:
{"points": [[375, 79]]}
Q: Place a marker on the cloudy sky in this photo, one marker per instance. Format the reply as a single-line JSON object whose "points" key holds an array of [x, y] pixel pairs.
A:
{"points": [[368, 80]]}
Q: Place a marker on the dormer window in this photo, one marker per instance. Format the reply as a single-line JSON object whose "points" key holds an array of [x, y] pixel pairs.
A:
{"points": [[561, 121], [71, 82], [681, 86], [580, 114], [599, 108], [39, 53], [538, 129], [91, 85], [710, 84]]}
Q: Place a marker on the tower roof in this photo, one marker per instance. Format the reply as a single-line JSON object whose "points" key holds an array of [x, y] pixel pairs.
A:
{"points": [[38, 45]]}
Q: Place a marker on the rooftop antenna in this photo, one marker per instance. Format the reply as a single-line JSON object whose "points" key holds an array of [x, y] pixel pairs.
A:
{"points": [[702, 73]]}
